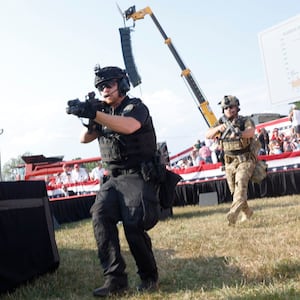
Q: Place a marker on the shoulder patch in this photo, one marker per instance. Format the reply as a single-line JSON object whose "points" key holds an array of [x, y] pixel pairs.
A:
{"points": [[128, 108]]}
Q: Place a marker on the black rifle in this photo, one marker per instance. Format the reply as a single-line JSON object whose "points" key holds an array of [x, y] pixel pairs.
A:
{"points": [[230, 129], [76, 106]]}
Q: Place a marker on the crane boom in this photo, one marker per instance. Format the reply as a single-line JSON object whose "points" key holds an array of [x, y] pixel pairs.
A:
{"points": [[203, 104]]}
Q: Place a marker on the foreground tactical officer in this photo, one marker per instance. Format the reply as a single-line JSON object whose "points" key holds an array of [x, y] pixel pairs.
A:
{"points": [[127, 140], [237, 133]]}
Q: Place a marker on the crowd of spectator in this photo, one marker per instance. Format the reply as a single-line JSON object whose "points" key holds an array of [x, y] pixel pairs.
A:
{"points": [[279, 142], [209, 151], [205, 152], [74, 174]]}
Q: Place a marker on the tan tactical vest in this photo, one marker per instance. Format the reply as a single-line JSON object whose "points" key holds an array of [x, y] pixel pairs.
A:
{"points": [[239, 145], [231, 145]]}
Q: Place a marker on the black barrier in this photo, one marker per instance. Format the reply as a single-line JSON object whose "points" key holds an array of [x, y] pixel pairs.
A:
{"points": [[27, 242], [275, 185], [72, 209]]}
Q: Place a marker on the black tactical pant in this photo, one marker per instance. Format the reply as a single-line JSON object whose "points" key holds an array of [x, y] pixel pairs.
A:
{"points": [[125, 198]]}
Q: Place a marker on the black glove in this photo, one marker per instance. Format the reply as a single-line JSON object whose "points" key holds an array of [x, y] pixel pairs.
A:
{"points": [[81, 109]]}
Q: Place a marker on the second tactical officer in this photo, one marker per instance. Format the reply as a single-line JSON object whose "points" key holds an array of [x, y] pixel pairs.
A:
{"points": [[237, 134], [127, 140]]}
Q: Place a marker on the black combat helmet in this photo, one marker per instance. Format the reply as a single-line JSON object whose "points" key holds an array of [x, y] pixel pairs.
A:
{"points": [[108, 73]]}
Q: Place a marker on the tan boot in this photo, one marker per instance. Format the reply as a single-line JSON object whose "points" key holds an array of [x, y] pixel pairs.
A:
{"points": [[246, 215], [231, 217]]}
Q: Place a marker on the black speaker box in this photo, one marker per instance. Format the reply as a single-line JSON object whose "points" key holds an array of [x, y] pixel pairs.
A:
{"points": [[27, 242], [131, 69]]}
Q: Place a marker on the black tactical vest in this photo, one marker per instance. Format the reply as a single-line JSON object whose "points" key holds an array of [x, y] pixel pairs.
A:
{"points": [[127, 151]]}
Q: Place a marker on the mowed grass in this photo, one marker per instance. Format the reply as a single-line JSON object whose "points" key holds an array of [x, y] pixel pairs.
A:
{"points": [[198, 255]]}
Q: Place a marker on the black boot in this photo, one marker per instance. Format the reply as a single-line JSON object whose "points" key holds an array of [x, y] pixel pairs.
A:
{"points": [[148, 285], [110, 288]]}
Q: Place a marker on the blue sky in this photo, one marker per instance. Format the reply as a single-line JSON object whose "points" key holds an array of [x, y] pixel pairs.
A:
{"points": [[49, 49]]}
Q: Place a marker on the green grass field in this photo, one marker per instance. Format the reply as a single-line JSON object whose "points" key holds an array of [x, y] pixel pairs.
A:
{"points": [[198, 255]]}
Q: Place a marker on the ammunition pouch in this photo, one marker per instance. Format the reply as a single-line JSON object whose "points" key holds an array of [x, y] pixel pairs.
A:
{"points": [[153, 170], [260, 172], [111, 149], [164, 180], [231, 145], [238, 152]]}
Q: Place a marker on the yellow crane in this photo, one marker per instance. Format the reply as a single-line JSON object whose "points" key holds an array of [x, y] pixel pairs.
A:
{"points": [[203, 104]]}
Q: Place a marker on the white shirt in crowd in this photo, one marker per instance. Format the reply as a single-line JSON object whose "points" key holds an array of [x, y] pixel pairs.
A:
{"points": [[97, 172], [79, 174]]}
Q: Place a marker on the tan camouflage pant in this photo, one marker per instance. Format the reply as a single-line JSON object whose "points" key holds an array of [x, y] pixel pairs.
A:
{"points": [[238, 173]]}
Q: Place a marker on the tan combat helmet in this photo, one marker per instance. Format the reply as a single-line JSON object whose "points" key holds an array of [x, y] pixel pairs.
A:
{"points": [[229, 101]]}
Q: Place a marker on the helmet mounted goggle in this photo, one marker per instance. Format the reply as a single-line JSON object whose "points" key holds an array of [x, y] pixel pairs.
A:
{"points": [[229, 101]]}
